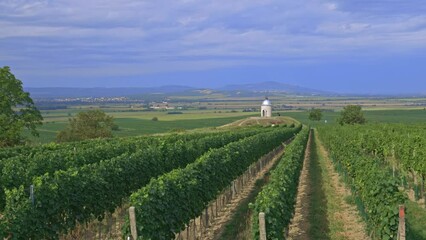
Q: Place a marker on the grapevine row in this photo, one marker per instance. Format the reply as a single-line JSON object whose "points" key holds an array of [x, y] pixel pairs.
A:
{"points": [[82, 194], [51, 148], [20, 170], [277, 199], [169, 202], [405, 143], [375, 189]]}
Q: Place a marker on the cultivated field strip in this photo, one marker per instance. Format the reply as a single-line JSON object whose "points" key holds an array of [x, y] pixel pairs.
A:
{"points": [[79, 195], [167, 204]]}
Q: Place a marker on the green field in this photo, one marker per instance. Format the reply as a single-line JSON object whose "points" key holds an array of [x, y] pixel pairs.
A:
{"points": [[139, 123], [372, 116], [133, 123]]}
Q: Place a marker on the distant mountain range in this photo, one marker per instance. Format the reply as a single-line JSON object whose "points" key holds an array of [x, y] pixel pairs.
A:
{"points": [[273, 87], [252, 89]]}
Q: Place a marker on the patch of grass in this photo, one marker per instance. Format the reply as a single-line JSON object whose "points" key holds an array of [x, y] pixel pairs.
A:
{"points": [[135, 126], [350, 200], [318, 222], [415, 221], [372, 116], [333, 205]]}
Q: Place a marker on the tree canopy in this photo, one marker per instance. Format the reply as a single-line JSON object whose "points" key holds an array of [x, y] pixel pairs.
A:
{"points": [[315, 114], [87, 125], [351, 114], [17, 110]]}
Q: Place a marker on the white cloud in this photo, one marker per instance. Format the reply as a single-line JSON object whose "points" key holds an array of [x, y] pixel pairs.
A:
{"points": [[73, 33], [331, 6]]}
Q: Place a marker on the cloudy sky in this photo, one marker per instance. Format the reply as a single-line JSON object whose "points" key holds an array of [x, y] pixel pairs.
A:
{"points": [[352, 46]]}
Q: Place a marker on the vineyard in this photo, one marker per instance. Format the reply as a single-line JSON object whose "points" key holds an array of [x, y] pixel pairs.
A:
{"points": [[398, 146], [180, 185], [378, 162], [48, 190]]}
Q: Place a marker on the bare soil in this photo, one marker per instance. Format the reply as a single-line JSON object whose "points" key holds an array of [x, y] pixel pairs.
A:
{"points": [[261, 121]]}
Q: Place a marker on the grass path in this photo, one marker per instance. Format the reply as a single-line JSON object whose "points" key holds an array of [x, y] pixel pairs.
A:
{"points": [[323, 208], [416, 221], [343, 220]]}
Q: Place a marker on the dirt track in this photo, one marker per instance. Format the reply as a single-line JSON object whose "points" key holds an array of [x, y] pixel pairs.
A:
{"points": [[340, 220], [214, 231]]}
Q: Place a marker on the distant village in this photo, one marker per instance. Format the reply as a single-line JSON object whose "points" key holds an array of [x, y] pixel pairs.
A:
{"points": [[134, 103]]}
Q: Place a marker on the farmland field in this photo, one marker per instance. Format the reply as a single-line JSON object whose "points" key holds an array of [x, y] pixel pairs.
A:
{"points": [[137, 123], [133, 123]]}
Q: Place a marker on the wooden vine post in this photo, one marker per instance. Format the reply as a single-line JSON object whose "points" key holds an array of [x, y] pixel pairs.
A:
{"points": [[262, 227], [132, 217], [401, 226]]}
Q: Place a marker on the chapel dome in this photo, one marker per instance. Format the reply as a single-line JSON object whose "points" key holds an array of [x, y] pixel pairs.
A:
{"points": [[266, 102]]}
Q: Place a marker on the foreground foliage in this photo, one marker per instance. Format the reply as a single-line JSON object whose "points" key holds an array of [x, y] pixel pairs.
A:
{"points": [[17, 110]]}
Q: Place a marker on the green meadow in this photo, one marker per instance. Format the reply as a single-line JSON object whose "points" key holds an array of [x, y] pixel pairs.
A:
{"points": [[372, 116], [140, 123], [132, 123]]}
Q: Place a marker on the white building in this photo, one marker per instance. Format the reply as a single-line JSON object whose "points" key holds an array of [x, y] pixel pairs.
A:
{"points": [[266, 108]]}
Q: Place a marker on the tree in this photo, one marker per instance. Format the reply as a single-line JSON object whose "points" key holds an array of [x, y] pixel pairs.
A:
{"points": [[87, 125], [315, 114], [17, 110], [351, 114]]}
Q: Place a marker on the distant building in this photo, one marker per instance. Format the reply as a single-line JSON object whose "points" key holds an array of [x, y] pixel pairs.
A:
{"points": [[266, 108], [163, 106]]}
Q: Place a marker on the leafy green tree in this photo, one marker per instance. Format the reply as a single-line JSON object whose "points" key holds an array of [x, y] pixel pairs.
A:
{"points": [[351, 114], [315, 114], [87, 125], [17, 110]]}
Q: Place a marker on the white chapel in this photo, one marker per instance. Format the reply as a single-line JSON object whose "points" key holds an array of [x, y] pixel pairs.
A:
{"points": [[266, 108]]}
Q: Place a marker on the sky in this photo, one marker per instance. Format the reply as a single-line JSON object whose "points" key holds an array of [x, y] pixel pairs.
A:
{"points": [[346, 46]]}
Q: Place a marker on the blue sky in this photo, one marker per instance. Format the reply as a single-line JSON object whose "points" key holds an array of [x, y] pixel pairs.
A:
{"points": [[350, 46]]}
